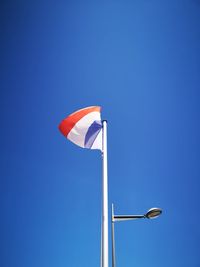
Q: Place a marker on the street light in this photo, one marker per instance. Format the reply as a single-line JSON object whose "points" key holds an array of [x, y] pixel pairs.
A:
{"points": [[153, 213], [150, 214]]}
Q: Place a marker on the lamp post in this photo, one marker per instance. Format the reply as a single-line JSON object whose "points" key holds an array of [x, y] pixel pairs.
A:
{"points": [[150, 214]]}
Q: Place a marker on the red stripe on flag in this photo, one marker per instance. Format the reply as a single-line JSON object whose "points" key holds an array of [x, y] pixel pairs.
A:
{"points": [[68, 123]]}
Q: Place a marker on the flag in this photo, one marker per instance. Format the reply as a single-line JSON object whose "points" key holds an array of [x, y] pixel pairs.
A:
{"points": [[84, 127]]}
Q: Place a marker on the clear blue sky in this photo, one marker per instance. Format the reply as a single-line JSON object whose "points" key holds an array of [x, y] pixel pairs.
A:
{"points": [[140, 61]]}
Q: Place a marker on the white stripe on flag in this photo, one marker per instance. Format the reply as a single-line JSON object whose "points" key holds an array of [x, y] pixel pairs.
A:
{"points": [[79, 131], [98, 142]]}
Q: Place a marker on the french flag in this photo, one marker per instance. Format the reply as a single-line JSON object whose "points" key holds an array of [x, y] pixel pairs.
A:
{"points": [[84, 127]]}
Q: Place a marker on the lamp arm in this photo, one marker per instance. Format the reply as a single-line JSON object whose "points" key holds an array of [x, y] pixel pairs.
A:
{"points": [[116, 218]]}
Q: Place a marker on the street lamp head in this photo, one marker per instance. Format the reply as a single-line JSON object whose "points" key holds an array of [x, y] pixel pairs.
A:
{"points": [[153, 213]]}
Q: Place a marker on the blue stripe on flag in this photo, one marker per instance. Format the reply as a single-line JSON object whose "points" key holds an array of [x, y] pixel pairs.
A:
{"points": [[92, 133]]}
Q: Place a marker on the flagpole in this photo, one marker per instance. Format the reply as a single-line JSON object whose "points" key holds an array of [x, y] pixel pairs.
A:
{"points": [[104, 198]]}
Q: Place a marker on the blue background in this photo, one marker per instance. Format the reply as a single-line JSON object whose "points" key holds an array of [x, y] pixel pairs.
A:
{"points": [[140, 61]]}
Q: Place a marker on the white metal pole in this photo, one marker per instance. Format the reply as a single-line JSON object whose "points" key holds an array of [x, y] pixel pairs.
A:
{"points": [[113, 239], [105, 199]]}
